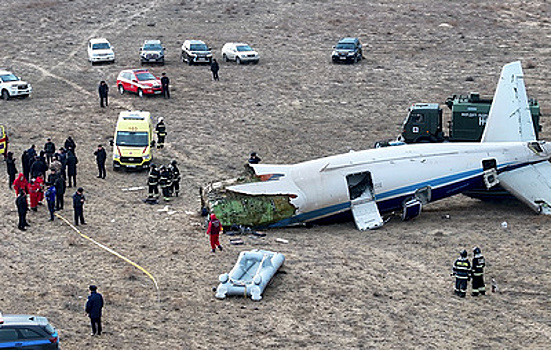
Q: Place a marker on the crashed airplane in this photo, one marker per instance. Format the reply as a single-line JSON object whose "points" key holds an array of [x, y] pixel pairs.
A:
{"points": [[400, 178]]}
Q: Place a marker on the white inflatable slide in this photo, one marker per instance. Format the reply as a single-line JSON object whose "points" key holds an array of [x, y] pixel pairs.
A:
{"points": [[250, 275]]}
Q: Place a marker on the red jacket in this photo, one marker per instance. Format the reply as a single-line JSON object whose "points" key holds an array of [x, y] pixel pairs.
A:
{"points": [[214, 227], [20, 184]]}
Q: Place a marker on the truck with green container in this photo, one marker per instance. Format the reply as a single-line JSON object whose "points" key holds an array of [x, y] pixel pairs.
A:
{"points": [[424, 122]]}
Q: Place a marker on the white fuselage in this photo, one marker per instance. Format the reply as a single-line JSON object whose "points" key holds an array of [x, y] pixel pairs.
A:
{"points": [[320, 186]]}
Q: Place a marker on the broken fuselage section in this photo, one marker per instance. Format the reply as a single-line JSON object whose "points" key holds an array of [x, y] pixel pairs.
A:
{"points": [[238, 208], [287, 195]]}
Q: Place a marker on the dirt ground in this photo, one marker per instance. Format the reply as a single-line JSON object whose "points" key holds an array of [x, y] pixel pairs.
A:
{"points": [[341, 288]]}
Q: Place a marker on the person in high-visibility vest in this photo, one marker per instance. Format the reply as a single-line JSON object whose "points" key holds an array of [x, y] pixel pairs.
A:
{"points": [[462, 273], [160, 128], [478, 273]]}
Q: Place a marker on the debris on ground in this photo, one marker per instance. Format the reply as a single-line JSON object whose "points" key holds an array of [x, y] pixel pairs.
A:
{"points": [[136, 188]]}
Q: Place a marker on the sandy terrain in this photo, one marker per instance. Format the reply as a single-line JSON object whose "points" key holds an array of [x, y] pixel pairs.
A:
{"points": [[342, 288]]}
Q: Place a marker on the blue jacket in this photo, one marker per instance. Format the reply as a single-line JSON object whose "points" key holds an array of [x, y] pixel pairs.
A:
{"points": [[94, 305], [50, 194]]}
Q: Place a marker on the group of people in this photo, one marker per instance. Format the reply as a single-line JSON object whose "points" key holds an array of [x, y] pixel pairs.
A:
{"points": [[44, 177], [464, 271], [167, 178]]}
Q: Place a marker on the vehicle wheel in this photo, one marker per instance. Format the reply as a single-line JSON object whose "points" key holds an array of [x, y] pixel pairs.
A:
{"points": [[238, 60], [356, 59], [140, 93], [121, 89], [189, 61], [182, 58], [5, 95], [225, 58]]}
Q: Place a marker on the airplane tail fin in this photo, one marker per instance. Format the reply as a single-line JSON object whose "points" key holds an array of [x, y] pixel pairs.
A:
{"points": [[510, 119]]}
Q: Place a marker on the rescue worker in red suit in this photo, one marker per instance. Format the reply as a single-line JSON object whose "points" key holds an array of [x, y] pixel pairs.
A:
{"points": [[20, 184], [214, 231], [41, 183], [34, 189]]}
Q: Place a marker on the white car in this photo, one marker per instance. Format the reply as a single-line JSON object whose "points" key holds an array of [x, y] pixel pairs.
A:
{"points": [[13, 86], [100, 50], [240, 53]]}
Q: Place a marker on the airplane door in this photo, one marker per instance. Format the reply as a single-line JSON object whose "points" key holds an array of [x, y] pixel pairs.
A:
{"points": [[362, 201]]}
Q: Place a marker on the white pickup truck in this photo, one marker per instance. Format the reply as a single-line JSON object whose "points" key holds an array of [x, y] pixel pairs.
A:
{"points": [[12, 86]]}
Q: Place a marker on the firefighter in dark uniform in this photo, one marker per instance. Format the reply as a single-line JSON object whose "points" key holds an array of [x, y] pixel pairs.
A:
{"points": [[175, 177], [462, 273], [478, 273], [165, 182], [160, 128], [153, 183]]}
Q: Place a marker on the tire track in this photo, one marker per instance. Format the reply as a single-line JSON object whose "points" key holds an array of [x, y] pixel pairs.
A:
{"points": [[46, 73], [95, 32]]}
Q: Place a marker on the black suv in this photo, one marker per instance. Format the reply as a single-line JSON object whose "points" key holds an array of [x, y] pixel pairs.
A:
{"points": [[347, 50], [27, 332]]}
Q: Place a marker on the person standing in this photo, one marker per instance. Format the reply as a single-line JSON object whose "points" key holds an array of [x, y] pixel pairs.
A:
{"points": [[34, 189], [214, 231], [101, 156], [70, 144], [50, 199], [62, 157], [153, 184], [462, 273], [254, 159], [175, 177], [49, 150], [165, 182], [20, 184], [59, 184], [11, 168], [478, 273], [165, 82], [94, 305], [38, 167], [103, 90], [52, 177], [72, 162], [26, 164], [22, 209], [32, 151], [214, 67], [160, 128], [56, 164], [78, 206]]}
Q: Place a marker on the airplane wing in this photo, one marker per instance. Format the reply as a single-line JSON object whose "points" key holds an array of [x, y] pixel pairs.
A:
{"points": [[531, 185]]}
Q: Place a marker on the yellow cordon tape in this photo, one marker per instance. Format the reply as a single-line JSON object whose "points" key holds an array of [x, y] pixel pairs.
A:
{"points": [[114, 253]]}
